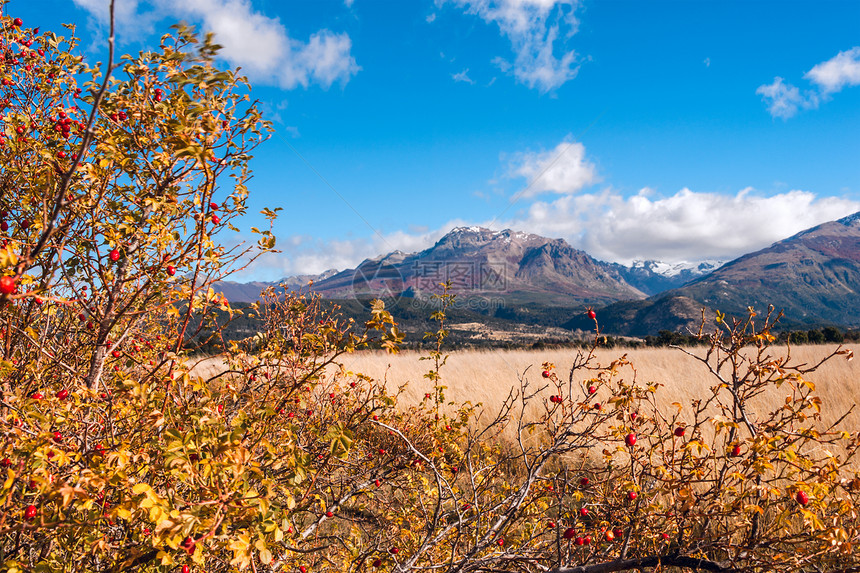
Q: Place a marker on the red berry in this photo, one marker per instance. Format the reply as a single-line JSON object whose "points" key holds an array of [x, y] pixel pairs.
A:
{"points": [[63, 394], [736, 450], [592, 389], [584, 482], [220, 408], [58, 437], [303, 569], [216, 219], [377, 562], [61, 154], [189, 545], [36, 396], [185, 569], [587, 540], [7, 285], [618, 532], [213, 206], [579, 540], [6, 462], [377, 483], [631, 495], [550, 525], [329, 514], [18, 22], [30, 512], [570, 533], [114, 255], [394, 550], [630, 440], [664, 535], [591, 314], [583, 511], [116, 353], [171, 270], [801, 497], [609, 536], [546, 374], [679, 432]]}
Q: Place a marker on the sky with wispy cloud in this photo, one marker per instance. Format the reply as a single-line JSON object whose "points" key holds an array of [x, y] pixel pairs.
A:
{"points": [[677, 131]]}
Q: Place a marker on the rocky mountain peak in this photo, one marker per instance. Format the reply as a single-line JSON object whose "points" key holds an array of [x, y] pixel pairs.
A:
{"points": [[467, 241], [850, 220]]}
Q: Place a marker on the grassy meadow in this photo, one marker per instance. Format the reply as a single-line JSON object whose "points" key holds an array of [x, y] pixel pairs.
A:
{"points": [[487, 377]]}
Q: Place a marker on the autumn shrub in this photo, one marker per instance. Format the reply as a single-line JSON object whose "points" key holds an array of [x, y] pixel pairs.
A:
{"points": [[116, 457]]}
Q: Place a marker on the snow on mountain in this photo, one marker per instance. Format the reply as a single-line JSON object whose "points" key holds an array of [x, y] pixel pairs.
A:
{"points": [[678, 268]]}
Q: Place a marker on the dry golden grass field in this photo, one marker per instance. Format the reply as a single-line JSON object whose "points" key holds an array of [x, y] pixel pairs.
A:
{"points": [[487, 377]]}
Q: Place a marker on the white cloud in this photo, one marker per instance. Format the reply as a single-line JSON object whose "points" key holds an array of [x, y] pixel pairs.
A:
{"points": [[784, 100], [836, 73], [686, 226], [306, 255], [561, 170], [463, 77], [537, 30], [132, 24], [259, 44]]}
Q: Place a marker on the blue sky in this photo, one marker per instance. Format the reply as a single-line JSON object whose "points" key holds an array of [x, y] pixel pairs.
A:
{"points": [[678, 131]]}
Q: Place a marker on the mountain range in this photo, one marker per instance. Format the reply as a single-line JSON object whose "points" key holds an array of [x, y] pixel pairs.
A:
{"points": [[813, 277]]}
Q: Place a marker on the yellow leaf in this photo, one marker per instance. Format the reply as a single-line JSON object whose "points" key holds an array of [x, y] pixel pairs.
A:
{"points": [[140, 488], [10, 479], [164, 525]]}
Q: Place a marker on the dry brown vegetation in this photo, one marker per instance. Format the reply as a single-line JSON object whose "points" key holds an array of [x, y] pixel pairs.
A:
{"points": [[488, 376]]}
